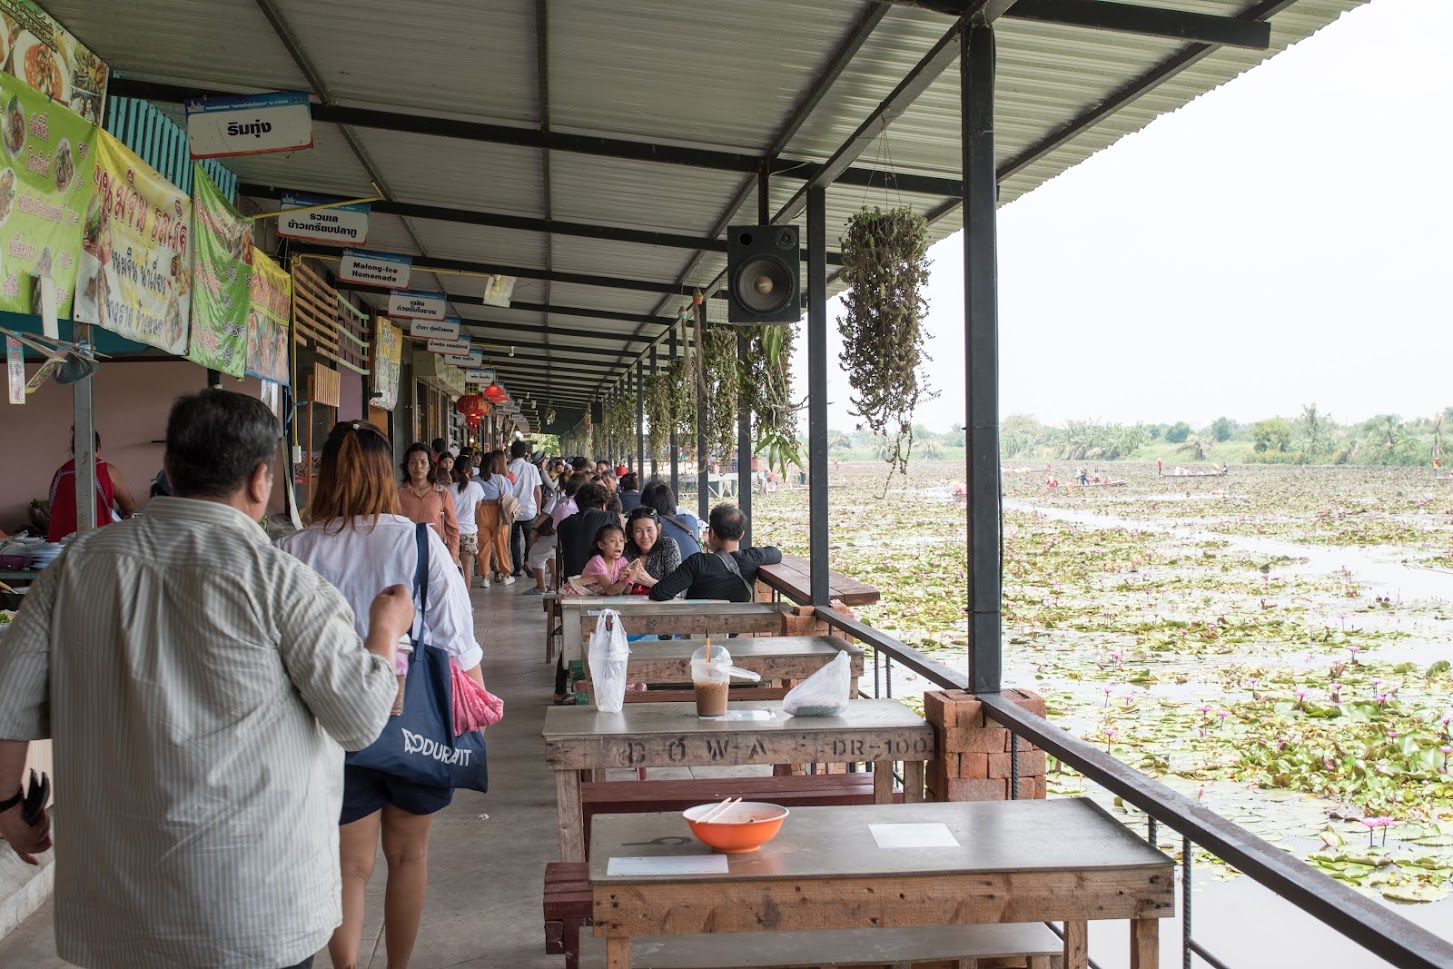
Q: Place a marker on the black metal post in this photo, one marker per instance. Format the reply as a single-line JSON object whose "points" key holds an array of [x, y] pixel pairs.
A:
{"points": [[744, 445], [655, 372], [703, 473], [640, 421], [675, 444], [981, 319], [817, 390]]}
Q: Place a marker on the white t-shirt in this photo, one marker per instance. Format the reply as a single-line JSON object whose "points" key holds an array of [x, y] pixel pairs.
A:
{"points": [[465, 504], [527, 479], [360, 559]]}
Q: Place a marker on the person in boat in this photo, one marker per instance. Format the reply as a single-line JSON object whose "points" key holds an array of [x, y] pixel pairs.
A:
{"points": [[1084, 476]]}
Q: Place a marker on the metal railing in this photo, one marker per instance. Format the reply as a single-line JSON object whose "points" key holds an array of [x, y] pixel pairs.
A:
{"points": [[1382, 932]]}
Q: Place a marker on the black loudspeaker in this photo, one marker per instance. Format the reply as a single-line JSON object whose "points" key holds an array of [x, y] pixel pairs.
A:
{"points": [[597, 412], [764, 274]]}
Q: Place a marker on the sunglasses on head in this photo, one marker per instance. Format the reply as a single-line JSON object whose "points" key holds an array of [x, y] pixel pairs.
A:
{"points": [[639, 513]]}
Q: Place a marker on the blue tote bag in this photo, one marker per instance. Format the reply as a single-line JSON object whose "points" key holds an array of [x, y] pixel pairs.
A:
{"points": [[419, 744]]}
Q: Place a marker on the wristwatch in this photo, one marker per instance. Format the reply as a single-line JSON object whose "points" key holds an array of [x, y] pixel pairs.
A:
{"points": [[10, 802]]}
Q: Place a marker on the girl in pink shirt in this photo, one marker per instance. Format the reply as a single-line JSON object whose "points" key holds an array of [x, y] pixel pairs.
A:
{"points": [[608, 571]]}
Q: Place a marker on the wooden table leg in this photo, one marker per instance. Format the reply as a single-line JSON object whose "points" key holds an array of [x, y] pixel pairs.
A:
{"points": [[883, 782], [617, 952], [912, 781], [571, 821], [1144, 943], [1077, 944]]}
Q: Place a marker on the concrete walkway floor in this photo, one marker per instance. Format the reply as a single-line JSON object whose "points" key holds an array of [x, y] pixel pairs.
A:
{"points": [[487, 851]]}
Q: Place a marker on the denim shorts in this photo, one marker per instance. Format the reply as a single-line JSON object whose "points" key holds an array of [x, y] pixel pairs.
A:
{"points": [[366, 790]]}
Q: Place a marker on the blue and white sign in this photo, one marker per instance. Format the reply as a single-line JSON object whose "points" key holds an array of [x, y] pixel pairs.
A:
{"points": [[459, 347], [473, 358], [375, 268], [417, 304], [341, 225], [445, 329], [249, 124]]}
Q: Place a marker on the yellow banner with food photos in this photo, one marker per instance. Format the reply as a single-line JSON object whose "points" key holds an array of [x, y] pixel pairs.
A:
{"points": [[268, 313], [45, 179], [136, 261]]}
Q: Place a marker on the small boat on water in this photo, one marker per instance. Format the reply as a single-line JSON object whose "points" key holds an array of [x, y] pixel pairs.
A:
{"points": [[1095, 484], [1183, 473]]}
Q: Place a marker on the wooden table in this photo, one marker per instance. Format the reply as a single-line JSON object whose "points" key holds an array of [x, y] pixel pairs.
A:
{"points": [[793, 578], [670, 735], [680, 616], [1016, 861], [774, 657]]}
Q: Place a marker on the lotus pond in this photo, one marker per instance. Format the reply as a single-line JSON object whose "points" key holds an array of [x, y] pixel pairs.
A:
{"points": [[1275, 642]]}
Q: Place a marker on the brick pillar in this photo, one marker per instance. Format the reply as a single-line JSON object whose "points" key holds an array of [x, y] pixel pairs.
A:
{"points": [[803, 621], [973, 762]]}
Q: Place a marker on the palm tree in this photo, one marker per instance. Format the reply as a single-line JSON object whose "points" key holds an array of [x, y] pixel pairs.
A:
{"points": [[1198, 446]]}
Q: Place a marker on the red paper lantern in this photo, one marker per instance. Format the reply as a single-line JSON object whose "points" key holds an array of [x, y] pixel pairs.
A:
{"points": [[471, 405], [495, 394]]}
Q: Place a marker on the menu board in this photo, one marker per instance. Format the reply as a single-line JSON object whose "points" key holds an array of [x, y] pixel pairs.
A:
{"points": [[222, 271], [269, 310], [39, 51], [45, 177], [388, 353], [136, 265]]}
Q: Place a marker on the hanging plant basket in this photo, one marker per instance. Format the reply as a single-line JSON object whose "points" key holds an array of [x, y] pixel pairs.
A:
{"points": [[766, 392], [719, 373], [885, 262]]}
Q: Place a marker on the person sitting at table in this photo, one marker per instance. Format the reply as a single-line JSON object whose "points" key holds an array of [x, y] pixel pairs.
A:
{"points": [[652, 555], [577, 533], [630, 491], [682, 527], [726, 571], [113, 498], [608, 573]]}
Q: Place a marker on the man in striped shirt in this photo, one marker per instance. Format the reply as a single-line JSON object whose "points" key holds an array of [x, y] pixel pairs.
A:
{"points": [[200, 686]]}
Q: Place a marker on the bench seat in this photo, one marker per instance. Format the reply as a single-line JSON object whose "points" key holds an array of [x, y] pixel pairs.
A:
{"points": [[959, 946]]}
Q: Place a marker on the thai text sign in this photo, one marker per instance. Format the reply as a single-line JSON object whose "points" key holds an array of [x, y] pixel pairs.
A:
{"points": [[45, 182], [250, 124], [222, 271], [136, 263], [459, 346], [374, 268], [40, 52], [418, 305], [341, 225], [445, 329], [269, 308]]}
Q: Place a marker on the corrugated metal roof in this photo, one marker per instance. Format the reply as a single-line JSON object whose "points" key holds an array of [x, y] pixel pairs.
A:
{"points": [[720, 76]]}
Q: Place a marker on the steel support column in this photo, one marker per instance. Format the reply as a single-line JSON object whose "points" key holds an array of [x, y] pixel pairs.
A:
{"points": [[640, 422], [655, 372], [817, 390], [83, 421], [744, 446], [981, 344], [675, 443], [703, 471]]}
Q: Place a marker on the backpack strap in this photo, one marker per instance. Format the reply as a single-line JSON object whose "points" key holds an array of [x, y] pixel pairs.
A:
{"points": [[730, 562]]}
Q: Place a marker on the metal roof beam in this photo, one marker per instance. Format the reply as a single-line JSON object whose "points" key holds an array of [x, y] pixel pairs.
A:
{"points": [[1107, 15], [554, 140], [500, 220], [504, 329]]}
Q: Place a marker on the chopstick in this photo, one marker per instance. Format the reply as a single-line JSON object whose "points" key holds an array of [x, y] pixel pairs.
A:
{"points": [[719, 810]]}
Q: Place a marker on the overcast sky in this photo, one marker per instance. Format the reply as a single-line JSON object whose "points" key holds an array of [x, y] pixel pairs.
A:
{"points": [[1283, 240]]}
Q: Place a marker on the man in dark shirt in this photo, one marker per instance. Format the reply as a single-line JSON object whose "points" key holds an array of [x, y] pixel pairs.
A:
{"points": [[577, 532], [707, 574]]}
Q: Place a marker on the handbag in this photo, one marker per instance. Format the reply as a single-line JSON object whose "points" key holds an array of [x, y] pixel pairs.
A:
{"points": [[509, 507], [419, 745]]}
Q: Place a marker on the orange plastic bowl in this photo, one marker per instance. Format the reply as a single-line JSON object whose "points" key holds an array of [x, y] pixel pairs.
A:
{"points": [[742, 827]]}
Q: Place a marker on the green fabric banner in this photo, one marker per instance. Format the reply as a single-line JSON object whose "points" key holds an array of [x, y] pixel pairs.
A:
{"points": [[45, 181], [222, 279]]}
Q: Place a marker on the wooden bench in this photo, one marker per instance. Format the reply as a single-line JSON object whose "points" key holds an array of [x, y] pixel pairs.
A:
{"points": [[567, 908], [794, 790], [1029, 944]]}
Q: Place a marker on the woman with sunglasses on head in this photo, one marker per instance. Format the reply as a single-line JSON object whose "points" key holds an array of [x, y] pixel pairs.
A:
{"points": [[359, 541], [652, 555], [423, 500]]}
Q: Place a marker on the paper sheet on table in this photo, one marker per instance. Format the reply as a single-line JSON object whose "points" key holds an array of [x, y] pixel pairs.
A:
{"points": [[930, 835], [668, 865], [743, 715]]}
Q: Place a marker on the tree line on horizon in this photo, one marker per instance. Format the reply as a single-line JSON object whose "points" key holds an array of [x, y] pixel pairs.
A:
{"points": [[1311, 437]]}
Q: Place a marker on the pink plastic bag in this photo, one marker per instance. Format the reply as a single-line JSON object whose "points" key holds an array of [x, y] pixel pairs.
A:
{"points": [[474, 706]]}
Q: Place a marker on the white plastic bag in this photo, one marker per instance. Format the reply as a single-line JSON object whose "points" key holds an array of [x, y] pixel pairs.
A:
{"points": [[609, 653], [824, 693]]}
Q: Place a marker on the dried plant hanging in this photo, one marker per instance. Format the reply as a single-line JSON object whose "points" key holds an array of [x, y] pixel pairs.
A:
{"points": [[717, 361], [885, 262], [766, 392], [668, 402]]}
